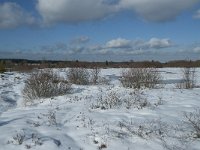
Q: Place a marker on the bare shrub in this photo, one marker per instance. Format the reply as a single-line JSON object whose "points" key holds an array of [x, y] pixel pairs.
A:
{"points": [[31, 140], [51, 118], [94, 73], [188, 81], [19, 138], [108, 101], [78, 76], [36, 139], [146, 129], [178, 136], [136, 100], [44, 84], [112, 100], [168, 135], [102, 146], [193, 120], [140, 77]]}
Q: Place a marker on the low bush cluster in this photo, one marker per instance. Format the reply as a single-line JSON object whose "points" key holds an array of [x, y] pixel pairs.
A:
{"points": [[78, 76], [113, 100], [140, 77], [188, 78], [83, 76], [44, 84], [109, 101]]}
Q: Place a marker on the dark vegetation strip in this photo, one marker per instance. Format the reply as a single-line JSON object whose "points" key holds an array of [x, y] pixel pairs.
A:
{"points": [[27, 65]]}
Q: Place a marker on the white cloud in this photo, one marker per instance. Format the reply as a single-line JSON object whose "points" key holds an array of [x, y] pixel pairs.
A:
{"points": [[196, 49], [118, 46], [153, 43], [143, 49], [197, 14], [121, 46], [118, 43], [159, 43], [158, 10], [75, 11], [12, 15]]}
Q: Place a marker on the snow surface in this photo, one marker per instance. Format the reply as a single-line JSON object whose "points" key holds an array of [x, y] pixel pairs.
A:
{"points": [[73, 122]]}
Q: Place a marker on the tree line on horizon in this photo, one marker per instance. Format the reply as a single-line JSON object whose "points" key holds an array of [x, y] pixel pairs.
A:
{"points": [[26, 65]]}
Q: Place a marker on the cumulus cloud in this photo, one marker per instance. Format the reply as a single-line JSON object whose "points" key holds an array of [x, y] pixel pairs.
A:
{"points": [[153, 43], [197, 14], [75, 11], [121, 46], [12, 15], [196, 49], [159, 43], [115, 48], [118, 43], [158, 10]]}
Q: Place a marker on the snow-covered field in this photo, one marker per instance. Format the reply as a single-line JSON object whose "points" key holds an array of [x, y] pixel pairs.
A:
{"points": [[75, 122]]}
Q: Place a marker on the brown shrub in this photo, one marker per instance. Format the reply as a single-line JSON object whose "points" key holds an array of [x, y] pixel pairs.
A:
{"points": [[140, 77], [78, 76], [188, 78], [44, 84]]}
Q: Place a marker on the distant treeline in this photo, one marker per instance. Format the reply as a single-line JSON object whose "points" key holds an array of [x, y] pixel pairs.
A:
{"points": [[26, 65]]}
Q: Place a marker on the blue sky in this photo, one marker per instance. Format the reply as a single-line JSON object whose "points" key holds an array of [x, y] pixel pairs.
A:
{"points": [[99, 30]]}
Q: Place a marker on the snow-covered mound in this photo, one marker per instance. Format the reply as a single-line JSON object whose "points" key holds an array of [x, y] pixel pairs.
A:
{"points": [[153, 119]]}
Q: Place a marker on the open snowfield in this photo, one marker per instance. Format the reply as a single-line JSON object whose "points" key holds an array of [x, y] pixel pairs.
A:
{"points": [[75, 122]]}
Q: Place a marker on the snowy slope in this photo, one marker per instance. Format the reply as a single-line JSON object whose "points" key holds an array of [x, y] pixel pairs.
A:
{"points": [[74, 122]]}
